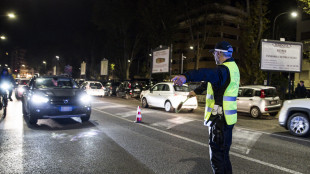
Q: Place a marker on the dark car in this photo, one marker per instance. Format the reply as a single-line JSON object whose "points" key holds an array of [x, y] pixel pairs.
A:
{"points": [[130, 89], [55, 97]]}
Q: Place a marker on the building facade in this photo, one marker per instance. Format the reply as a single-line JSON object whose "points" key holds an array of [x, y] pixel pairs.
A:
{"points": [[199, 30]]}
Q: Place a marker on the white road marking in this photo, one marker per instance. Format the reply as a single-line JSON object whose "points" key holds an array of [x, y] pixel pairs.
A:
{"points": [[243, 140], [170, 123], [111, 106], [206, 145], [131, 113]]}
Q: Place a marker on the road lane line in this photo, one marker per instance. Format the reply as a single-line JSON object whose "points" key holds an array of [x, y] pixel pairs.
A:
{"points": [[206, 145]]}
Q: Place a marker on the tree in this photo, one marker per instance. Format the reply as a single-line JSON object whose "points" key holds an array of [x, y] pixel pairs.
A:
{"points": [[253, 27], [305, 5], [119, 20], [200, 25]]}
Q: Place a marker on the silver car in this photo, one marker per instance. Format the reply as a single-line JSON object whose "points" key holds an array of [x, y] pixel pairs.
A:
{"points": [[258, 100]]}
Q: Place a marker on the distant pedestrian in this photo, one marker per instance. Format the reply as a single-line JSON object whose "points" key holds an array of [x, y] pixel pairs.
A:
{"points": [[301, 91]]}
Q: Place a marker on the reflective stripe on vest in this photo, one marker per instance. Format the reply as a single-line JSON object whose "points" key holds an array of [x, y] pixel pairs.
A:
{"points": [[229, 97]]}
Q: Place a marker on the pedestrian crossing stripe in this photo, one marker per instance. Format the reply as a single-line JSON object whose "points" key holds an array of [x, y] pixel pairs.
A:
{"points": [[170, 123]]}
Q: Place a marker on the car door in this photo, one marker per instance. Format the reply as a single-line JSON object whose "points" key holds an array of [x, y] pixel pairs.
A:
{"points": [[164, 95], [245, 100], [154, 98]]}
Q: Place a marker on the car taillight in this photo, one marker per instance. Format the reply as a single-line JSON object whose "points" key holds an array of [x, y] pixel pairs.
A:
{"points": [[175, 94], [262, 94], [266, 109], [129, 85], [110, 87]]}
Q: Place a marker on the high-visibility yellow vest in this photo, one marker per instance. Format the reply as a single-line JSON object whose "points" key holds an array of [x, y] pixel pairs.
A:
{"points": [[229, 97]]}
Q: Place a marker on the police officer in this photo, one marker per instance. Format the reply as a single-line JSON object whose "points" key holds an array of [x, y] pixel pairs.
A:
{"points": [[5, 76], [221, 104]]}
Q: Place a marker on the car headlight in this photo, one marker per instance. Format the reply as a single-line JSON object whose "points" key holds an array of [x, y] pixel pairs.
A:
{"points": [[21, 89], [85, 98], [39, 99], [5, 86]]}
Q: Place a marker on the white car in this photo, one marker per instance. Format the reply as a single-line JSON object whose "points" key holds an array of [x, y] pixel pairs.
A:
{"points": [[94, 88], [295, 116], [166, 95], [258, 100]]}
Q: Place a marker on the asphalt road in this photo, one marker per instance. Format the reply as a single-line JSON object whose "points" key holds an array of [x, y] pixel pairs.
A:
{"points": [[163, 143]]}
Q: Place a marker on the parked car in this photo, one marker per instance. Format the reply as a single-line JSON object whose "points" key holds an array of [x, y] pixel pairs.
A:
{"points": [[19, 88], [168, 96], [295, 116], [111, 87], [94, 88], [55, 97], [129, 89], [258, 100]]}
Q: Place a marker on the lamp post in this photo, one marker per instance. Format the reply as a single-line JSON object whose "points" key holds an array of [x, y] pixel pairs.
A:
{"points": [[44, 62], [293, 14], [183, 57]]}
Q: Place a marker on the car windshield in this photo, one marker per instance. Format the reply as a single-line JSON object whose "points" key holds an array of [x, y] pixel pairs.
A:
{"points": [[54, 82], [181, 88], [95, 85]]}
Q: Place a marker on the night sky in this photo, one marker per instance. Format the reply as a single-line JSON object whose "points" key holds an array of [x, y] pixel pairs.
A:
{"points": [[52, 27]]}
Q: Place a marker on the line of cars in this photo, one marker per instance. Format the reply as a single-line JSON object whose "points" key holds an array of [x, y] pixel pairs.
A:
{"points": [[254, 99]]}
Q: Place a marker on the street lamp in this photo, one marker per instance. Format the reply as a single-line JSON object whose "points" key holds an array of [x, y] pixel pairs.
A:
{"points": [[44, 62], [11, 15], [57, 57], [294, 14]]}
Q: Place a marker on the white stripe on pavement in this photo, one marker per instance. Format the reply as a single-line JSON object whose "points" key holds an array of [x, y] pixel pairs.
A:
{"points": [[170, 123], [206, 145]]}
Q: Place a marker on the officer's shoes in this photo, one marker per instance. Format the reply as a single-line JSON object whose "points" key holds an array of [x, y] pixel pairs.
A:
{"points": [[11, 99]]}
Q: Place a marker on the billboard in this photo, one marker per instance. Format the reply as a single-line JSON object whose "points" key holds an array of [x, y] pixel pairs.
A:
{"points": [[281, 56], [160, 63], [104, 67]]}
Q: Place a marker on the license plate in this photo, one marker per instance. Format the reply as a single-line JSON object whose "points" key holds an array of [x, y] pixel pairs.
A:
{"points": [[65, 108], [136, 89], [273, 102]]}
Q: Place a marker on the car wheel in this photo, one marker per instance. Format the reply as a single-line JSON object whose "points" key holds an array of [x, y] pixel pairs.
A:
{"points": [[86, 118], [117, 95], [298, 125], [32, 119], [168, 107], [273, 113], [191, 110], [144, 103], [255, 112]]}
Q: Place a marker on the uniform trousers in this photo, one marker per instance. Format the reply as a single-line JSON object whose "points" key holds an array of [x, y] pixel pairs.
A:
{"points": [[220, 139]]}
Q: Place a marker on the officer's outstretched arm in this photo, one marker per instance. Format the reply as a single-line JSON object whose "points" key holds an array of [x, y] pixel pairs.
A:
{"points": [[179, 80]]}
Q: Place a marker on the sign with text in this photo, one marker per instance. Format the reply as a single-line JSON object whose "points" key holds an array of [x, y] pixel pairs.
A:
{"points": [[83, 68], [161, 61], [281, 56], [104, 67]]}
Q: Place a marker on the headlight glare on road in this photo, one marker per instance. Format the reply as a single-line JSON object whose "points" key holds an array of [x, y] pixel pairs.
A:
{"points": [[85, 98], [21, 90], [5, 86], [39, 99]]}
